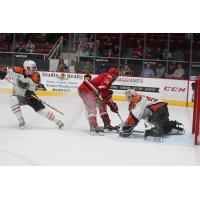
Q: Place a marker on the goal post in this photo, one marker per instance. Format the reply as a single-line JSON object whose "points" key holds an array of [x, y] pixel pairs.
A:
{"points": [[196, 112]]}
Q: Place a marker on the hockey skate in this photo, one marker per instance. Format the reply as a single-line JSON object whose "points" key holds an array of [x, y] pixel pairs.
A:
{"points": [[177, 128], [21, 123], [109, 128], [60, 124], [96, 131]]}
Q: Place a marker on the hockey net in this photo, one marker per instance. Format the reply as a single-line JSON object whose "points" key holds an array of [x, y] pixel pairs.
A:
{"points": [[196, 112]]}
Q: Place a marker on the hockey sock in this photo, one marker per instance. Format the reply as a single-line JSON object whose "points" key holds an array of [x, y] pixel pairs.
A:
{"points": [[105, 118], [92, 120], [48, 114], [14, 104]]}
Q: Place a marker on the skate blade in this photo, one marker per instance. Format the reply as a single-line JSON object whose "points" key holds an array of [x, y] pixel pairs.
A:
{"points": [[110, 131], [22, 127], [97, 134]]}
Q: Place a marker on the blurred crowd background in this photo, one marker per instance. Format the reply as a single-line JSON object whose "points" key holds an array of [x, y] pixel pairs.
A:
{"points": [[151, 55]]}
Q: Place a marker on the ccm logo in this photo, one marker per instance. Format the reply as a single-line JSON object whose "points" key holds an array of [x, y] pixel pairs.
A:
{"points": [[174, 89]]}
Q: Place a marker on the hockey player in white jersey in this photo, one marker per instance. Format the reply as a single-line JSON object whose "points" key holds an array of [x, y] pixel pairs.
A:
{"points": [[154, 112], [25, 81]]}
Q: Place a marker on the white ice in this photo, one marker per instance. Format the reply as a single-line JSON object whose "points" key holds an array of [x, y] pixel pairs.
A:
{"points": [[41, 143]]}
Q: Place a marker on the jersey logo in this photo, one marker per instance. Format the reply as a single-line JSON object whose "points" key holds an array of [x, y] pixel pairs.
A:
{"points": [[22, 84], [106, 81], [151, 99]]}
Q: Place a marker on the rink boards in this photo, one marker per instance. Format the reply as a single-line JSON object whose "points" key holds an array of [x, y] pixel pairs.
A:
{"points": [[175, 92]]}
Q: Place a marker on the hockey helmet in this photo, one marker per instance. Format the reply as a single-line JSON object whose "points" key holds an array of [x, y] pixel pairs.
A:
{"points": [[129, 93], [113, 72], [29, 66], [87, 77]]}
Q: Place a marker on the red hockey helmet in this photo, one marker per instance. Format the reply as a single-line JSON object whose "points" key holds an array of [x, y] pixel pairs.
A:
{"points": [[113, 72]]}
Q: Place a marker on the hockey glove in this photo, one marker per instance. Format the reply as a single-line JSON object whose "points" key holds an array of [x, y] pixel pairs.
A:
{"points": [[2, 74], [126, 130], [106, 95], [113, 107], [41, 87], [30, 94]]}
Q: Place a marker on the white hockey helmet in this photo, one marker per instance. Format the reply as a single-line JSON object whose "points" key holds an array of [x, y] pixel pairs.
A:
{"points": [[29, 66], [129, 93]]}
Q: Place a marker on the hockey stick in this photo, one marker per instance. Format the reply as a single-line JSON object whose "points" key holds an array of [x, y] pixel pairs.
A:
{"points": [[120, 117], [35, 97]]}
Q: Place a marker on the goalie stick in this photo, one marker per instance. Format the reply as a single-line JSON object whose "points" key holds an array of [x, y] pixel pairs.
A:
{"points": [[34, 96]]}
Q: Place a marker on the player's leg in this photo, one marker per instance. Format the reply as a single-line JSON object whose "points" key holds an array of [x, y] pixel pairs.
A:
{"points": [[158, 119], [15, 103], [90, 101], [105, 117], [39, 107]]}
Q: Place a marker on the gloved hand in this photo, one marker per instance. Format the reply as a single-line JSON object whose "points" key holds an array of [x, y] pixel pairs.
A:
{"points": [[113, 107], [127, 128], [2, 74], [29, 94], [100, 103], [131, 106], [105, 95]]}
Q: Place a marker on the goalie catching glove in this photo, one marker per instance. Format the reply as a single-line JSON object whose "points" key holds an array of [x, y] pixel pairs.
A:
{"points": [[126, 130], [3, 73]]}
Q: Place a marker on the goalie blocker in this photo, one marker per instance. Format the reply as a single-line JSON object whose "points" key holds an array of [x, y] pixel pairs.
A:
{"points": [[154, 112]]}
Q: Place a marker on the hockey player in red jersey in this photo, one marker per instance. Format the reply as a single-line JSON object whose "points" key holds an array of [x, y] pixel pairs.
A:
{"points": [[154, 112], [25, 82], [94, 94]]}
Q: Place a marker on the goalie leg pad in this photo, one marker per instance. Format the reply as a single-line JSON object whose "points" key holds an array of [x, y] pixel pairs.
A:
{"points": [[154, 132]]}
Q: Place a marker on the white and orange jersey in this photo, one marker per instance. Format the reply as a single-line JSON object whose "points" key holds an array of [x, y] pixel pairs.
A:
{"points": [[141, 107], [21, 82]]}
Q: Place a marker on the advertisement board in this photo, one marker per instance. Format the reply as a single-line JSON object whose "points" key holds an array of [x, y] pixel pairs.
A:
{"points": [[168, 89]]}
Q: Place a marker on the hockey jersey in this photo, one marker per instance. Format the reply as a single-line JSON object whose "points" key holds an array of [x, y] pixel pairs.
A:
{"points": [[101, 83], [141, 107], [21, 82]]}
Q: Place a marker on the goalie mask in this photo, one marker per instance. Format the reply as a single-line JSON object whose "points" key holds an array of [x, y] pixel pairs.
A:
{"points": [[29, 67], [129, 93]]}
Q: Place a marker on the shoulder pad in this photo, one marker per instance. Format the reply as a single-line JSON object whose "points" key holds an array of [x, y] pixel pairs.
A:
{"points": [[136, 98], [18, 70], [35, 77]]}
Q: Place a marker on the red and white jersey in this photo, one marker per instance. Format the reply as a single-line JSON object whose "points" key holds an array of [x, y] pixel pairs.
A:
{"points": [[141, 106], [21, 81], [101, 83]]}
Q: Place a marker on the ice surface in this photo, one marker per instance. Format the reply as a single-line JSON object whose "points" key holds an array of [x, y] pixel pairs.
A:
{"points": [[41, 143]]}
